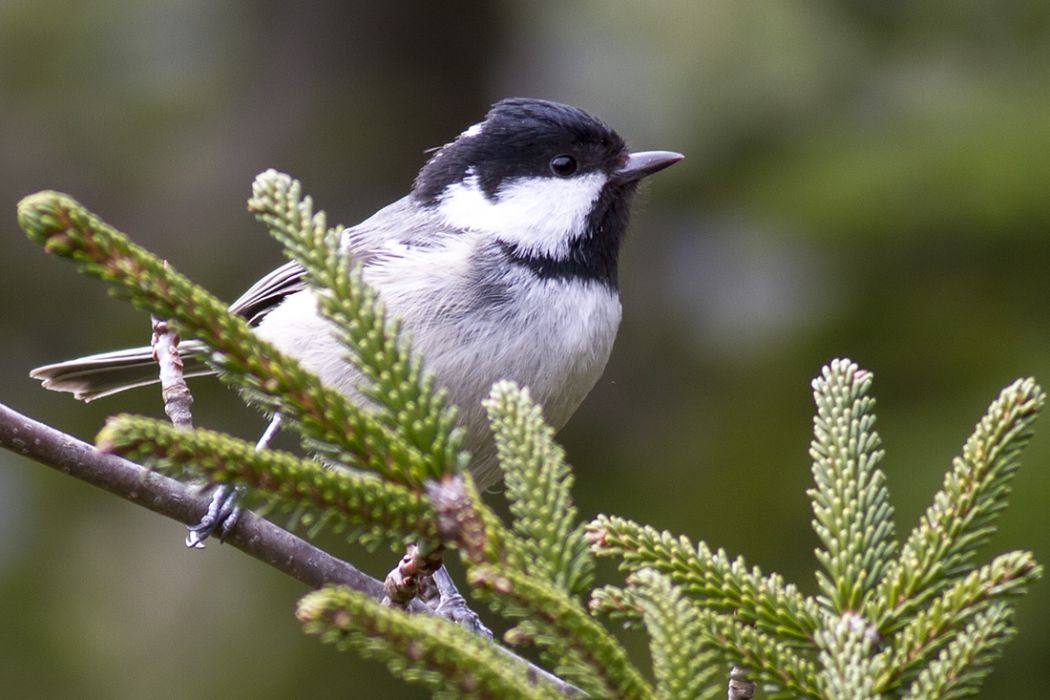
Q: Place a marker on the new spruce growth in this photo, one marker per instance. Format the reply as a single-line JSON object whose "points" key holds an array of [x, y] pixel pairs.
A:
{"points": [[408, 400], [864, 636], [372, 510], [538, 485], [918, 619], [423, 649], [853, 517]]}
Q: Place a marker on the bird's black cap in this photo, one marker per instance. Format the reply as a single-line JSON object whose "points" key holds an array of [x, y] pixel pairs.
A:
{"points": [[518, 138], [529, 138]]}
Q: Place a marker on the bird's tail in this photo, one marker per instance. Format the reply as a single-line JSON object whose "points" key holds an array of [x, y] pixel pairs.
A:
{"points": [[94, 376]]}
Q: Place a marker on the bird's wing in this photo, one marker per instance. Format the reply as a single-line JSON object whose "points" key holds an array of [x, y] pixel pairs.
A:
{"points": [[264, 296], [393, 228], [391, 231]]}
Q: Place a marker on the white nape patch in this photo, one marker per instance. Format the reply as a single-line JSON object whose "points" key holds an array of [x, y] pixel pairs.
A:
{"points": [[541, 215], [472, 130], [396, 247]]}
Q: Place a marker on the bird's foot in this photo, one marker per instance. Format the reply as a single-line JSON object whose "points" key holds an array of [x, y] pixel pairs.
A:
{"points": [[453, 606], [223, 512], [224, 509]]}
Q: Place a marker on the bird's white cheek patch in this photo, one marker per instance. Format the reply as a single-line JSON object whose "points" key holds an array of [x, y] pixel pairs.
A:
{"points": [[541, 215]]}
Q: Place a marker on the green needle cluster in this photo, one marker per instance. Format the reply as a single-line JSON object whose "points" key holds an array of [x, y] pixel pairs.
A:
{"points": [[918, 619]]}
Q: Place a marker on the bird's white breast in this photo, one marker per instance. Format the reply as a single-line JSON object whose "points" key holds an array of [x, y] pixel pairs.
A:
{"points": [[552, 335]]}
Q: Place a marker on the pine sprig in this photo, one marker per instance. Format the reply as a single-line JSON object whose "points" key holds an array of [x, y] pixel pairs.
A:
{"points": [[538, 485], [962, 667], [582, 650], [710, 578], [423, 649], [683, 665], [408, 397], [375, 510], [965, 512], [750, 620], [787, 670], [852, 514], [1007, 576], [848, 667], [617, 603], [916, 619], [767, 659], [334, 425]]}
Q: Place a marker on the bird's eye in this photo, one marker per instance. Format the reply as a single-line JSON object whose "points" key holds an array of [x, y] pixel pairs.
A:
{"points": [[563, 165]]}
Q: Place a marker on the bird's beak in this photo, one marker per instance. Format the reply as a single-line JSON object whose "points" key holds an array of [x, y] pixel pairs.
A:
{"points": [[639, 165]]}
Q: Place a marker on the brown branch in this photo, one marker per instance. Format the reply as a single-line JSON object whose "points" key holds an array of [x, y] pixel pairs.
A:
{"points": [[177, 396], [253, 535], [740, 688]]}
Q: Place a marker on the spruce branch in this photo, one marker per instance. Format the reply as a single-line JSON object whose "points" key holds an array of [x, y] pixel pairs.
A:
{"points": [[684, 666], [173, 388], [331, 421], [539, 484], [373, 510], [710, 579], [852, 514], [915, 619], [848, 666], [963, 665], [728, 643], [822, 648], [581, 650], [253, 535], [423, 649], [740, 686], [767, 659], [965, 512], [408, 399], [914, 645]]}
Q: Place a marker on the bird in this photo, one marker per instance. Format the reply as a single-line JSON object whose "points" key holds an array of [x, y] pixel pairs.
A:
{"points": [[501, 263]]}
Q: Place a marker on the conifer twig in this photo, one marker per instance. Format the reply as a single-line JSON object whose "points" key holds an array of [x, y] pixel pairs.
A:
{"points": [[255, 536], [588, 653], [373, 510], [334, 424], [913, 617], [420, 646], [173, 389], [740, 688], [176, 395]]}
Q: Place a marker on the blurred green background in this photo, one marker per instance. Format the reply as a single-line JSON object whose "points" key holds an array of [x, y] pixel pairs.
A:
{"points": [[868, 179]]}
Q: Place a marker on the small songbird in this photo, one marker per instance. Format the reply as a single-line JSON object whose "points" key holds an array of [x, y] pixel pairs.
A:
{"points": [[501, 263]]}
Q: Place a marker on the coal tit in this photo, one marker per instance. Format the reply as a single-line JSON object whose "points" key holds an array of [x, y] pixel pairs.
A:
{"points": [[501, 263]]}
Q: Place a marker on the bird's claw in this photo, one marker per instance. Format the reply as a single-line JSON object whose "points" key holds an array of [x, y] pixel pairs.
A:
{"points": [[453, 606], [220, 518], [455, 609]]}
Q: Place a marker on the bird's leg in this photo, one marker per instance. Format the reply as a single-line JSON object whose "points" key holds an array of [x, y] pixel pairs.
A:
{"points": [[453, 606], [224, 509]]}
